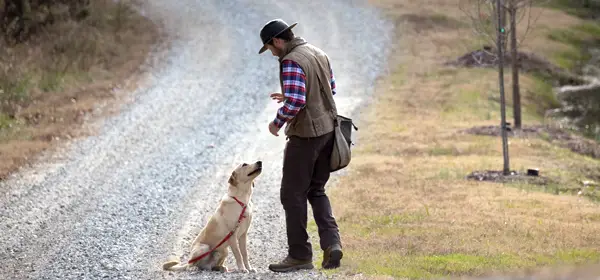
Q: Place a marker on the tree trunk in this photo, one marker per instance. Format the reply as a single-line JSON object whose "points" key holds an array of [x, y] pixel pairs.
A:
{"points": [[499, 18], [515, 65], [499, 41], [503, 20]]}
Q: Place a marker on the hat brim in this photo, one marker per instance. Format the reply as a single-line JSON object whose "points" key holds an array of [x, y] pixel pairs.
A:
{"points": [[264, 47]]}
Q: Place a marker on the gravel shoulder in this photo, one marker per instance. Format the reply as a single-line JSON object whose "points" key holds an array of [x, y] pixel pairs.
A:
{"points": [[117, 204]]}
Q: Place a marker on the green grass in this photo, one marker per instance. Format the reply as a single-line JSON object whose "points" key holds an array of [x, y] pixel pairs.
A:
{"points": [[469, 105], [472, 101], [577, 38], [8, 128], [542, 97], [590, 28], [15, 89], [575, 8], [393, 220], [459, 264], [444, 20], [570, 59], [430, 266], [567, 36], [51, 81], [443, 151], [5, 122]]}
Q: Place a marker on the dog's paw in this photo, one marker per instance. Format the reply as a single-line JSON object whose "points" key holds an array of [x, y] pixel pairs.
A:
{"points": [[251, 269], [243, 270], [220, 268], [193, 268]]}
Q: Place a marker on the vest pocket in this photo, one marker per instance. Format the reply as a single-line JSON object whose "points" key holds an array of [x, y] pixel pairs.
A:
{"points": [[322, 124], [316, 127]]}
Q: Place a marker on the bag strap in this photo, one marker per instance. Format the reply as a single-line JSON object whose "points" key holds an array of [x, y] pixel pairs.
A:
{"points": [[328, 97], [330, 103]]}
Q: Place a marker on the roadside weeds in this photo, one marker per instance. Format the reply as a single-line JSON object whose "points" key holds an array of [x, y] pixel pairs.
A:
{"points": [[67, 73]]}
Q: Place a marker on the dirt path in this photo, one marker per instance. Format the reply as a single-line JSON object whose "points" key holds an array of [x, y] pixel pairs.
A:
{"points": [[117, 204]]}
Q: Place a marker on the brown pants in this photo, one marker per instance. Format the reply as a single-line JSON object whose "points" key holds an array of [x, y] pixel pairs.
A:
{"points": [[305, 173]]}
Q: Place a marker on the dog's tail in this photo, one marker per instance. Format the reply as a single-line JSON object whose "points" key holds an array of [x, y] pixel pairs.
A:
{"points": [[175, 266]]}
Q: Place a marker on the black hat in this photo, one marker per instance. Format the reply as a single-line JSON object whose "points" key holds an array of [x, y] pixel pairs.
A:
{"points": [[272, 29]]}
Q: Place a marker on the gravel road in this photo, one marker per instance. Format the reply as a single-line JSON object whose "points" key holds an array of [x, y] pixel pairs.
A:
{"points": [[117, 204]]}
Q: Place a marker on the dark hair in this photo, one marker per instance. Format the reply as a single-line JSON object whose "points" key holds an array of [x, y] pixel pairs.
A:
{"points": [[287, 36]]}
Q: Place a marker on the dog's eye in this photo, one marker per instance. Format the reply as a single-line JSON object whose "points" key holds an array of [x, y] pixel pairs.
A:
{"points": [[244, 164]]}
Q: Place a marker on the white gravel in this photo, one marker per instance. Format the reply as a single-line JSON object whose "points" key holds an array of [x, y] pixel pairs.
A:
{"points": [[116, 205]]}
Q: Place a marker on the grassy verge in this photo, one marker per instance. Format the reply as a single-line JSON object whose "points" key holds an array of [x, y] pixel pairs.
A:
{"points": [[58, 77], [574, 40], [405, 209], [576, 8], [580, 42]]}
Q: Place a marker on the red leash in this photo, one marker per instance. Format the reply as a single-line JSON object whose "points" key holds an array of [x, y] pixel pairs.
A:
{"points": [[226, 237]]}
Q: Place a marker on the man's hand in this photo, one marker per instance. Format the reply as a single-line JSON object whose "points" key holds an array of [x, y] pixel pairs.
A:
{"points": [[278, 96], [273, 129]]}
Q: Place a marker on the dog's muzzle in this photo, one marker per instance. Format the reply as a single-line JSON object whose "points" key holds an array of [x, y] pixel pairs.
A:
{"points": [[258, 169]]}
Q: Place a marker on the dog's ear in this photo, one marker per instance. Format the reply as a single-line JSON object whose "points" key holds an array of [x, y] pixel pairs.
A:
{"points": [[233, 179]]}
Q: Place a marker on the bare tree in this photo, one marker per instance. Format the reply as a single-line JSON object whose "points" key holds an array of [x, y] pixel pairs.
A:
{"points": [[512, 11], [488, 19], [499, 45], [513, 8], [481, 12]]}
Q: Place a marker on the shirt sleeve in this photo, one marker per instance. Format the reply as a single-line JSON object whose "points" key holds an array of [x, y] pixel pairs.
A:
{"points": [[294, 90], [333, 89]]}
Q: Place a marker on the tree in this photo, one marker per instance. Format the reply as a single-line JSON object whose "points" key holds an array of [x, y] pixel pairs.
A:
{"points": [[479, 12], [513, 8], [488, 19], [499, 45], [512, 12]]}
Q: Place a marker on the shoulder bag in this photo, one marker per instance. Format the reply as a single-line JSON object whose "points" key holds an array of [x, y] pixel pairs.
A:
{"points": [[342, 136]]}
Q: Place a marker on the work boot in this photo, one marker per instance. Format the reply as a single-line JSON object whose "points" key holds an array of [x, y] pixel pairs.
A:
{"points": [[332, 257], [289, 264]]}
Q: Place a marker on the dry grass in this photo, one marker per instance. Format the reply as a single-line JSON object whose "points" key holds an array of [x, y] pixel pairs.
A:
{"points": [[55, 80], [406, 210]]}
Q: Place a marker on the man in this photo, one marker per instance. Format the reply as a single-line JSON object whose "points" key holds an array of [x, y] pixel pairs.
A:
{"points": [[305, 77]]}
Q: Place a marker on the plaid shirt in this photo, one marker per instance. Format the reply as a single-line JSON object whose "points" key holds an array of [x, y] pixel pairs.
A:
{"points": [[294, 90]]}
